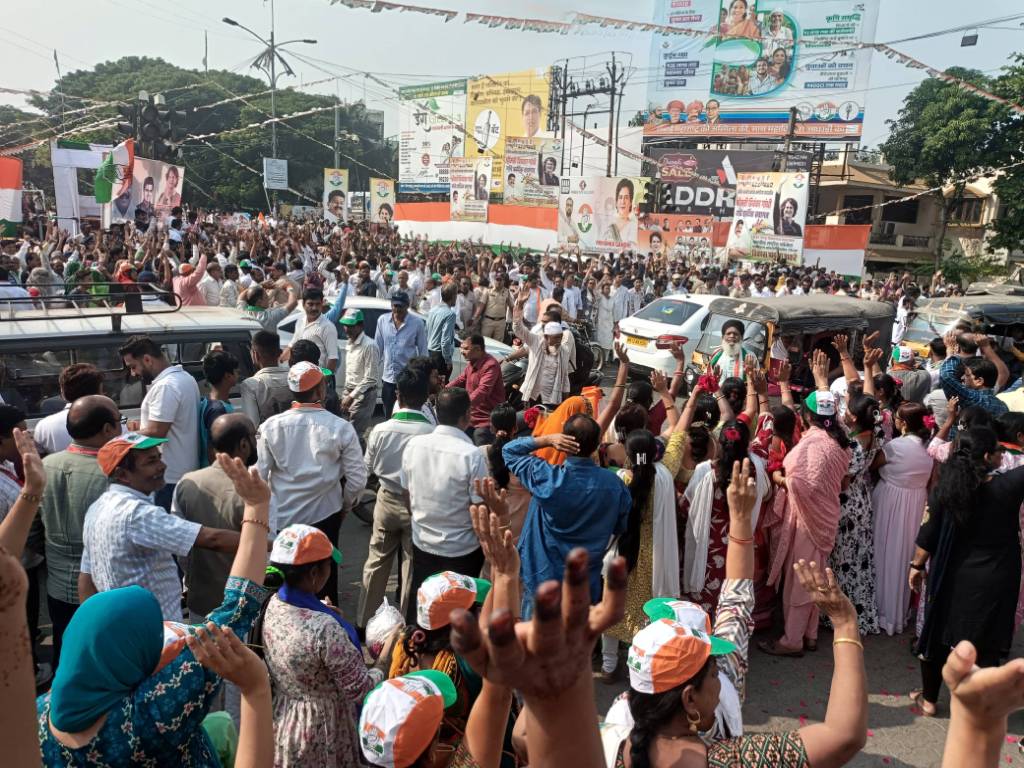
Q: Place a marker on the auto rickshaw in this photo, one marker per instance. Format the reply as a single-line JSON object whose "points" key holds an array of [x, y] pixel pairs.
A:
{"points": [[999, 316], [790, 327]]}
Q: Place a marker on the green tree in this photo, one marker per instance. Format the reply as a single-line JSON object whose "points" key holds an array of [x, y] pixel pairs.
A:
{"points": [[215, 172], [943, 136], [1008, 228]]}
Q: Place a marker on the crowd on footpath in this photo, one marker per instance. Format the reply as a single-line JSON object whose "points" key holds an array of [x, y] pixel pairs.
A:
{"points": [[189, 557]]}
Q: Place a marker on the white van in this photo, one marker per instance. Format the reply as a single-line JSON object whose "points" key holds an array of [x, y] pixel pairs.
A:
{"points": [[35, 345]]}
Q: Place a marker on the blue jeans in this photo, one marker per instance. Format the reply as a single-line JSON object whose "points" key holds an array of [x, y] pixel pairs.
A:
{"points": [[162, 498]]}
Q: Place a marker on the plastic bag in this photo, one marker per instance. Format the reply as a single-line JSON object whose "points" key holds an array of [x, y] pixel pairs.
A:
{"points": [[380, 626]]}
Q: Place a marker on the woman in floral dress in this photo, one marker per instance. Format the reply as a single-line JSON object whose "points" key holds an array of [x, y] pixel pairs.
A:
{"points": [[316, 670], [853, 559]]}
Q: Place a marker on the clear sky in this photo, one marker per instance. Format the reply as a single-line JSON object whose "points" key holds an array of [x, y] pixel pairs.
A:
{"points": [[406, 48]]}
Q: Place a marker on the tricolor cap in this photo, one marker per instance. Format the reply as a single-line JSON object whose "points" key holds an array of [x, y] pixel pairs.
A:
{"points": [[401, 716], [300, 544], [821, 403], [902, 355], [682, 611], [112, 454], [442, 593], [303, 376], [352, 317], [666, 654]]}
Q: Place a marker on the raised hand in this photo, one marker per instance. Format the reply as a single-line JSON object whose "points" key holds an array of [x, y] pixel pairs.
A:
{"points": [[742, 494], [248, 484], [820, 368], [953, 407], [842, 344], [495, 498], [35, 475], [496, 540], [987, 695], [548, 655], [785, 371], [869, 340], [219, 649], [677, 351], [658, 382], [621, 353], [824, 590], [559, 442]]}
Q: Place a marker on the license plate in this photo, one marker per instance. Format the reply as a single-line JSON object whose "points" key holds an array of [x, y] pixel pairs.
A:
{"points": [[636, 341]]}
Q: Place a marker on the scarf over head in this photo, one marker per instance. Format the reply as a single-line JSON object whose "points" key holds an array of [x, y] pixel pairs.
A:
{"points": [[815, 469], [555, 424], [112, 644]]}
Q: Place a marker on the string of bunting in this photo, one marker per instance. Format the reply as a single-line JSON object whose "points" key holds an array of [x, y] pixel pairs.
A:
{"points": [[967, 180], [376, 6], [606, 22]]}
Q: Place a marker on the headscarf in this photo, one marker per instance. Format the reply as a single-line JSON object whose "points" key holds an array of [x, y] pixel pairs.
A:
{"points": [[555, 423], [112, 644]]}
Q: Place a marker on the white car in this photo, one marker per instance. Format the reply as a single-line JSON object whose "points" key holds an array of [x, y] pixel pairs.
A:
{"points": [[649, 334], [373, 308]]}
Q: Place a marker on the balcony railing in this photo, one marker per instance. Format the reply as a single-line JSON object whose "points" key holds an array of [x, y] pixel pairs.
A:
{"points": [[916, 242]]}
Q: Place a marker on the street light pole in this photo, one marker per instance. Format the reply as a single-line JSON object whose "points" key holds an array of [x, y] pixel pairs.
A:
{"points": [[273, 86]]}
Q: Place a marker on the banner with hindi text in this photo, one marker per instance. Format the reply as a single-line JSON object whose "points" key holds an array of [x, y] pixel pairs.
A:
{"points": [[770, 216]]}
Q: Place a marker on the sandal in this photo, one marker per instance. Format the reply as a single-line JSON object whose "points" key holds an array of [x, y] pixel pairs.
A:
{"points": [[919, 701], [772, 648]]}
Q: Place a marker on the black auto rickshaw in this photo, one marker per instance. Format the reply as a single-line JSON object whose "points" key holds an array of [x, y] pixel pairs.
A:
{"points": [[790, 327]]}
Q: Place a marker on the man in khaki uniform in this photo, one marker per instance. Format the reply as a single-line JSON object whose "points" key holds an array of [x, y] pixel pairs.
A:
{"points": [[494, 306]]}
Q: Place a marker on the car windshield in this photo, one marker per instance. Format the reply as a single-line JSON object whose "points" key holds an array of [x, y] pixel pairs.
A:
{"points": [[667, 311], [753, 337], [924, 328]]}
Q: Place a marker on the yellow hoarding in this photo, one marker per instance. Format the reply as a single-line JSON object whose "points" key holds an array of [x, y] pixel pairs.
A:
{"points": [[500, 106]]}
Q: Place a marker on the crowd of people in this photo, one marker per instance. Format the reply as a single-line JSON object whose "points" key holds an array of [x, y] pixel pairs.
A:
{"points": [[190, 556]]}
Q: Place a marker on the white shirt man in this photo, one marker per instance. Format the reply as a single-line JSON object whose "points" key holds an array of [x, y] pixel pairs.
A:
{"points": [[173, 398], [438, 472], [305, 452], [439, 469], [392, 523], [51, 432], [362, 373], [572, 300], [210, 287], [321, 332]]}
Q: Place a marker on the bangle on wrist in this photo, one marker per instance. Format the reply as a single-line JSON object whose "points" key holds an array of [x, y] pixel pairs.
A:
{"points": [[849, 640], [737, 540], [31, 497], [915, 567], [254, 521]]}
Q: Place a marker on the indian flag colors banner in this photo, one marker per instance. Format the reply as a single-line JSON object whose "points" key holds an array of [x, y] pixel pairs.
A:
{"points": [[114, 176], [10, 195]]}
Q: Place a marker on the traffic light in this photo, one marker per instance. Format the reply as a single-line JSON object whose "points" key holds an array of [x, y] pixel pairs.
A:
{"points": [[666, 197], [150, 128], [130, 113], [649, 198], [175, 120]]}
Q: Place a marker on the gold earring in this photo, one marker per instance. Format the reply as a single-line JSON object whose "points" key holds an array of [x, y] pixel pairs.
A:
{"points": [[693, 723]]}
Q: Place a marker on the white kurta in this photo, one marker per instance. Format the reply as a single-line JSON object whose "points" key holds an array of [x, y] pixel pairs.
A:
{"points": [[605, 321]]}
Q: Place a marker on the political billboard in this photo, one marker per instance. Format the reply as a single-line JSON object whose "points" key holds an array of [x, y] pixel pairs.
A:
{"points": [[741, 65], [470, 179], [500, 106], [600, 213], [335, 199], [532, 171], [431, 131], [382, 200], [155, 188], [687, 236], [770, 217], [703, 182]]}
